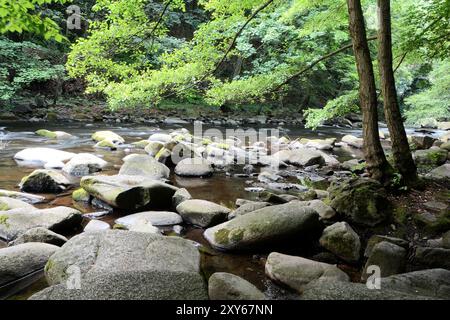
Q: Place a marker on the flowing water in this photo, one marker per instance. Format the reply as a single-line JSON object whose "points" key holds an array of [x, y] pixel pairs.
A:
{"points": [[220, 188]]}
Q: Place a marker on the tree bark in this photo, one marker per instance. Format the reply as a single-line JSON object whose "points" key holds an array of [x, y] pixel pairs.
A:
{"points": [[400, 146], [376, 162]]}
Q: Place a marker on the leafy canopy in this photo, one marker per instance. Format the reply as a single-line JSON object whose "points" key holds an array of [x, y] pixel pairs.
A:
{"points": [[18, 16]]}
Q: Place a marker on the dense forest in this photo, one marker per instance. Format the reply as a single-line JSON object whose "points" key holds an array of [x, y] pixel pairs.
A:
{"points": [[275, 54], [225, 150]]}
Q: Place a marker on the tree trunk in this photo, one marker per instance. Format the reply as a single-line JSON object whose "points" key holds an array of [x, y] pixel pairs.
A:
{"points": [[400, 146], [376, 162]]}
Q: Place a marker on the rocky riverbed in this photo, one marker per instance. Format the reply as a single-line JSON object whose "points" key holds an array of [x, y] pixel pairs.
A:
{"points": [[165, 211]]}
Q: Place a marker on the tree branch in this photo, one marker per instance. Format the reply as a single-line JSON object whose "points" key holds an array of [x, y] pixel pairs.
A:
{"points": [[233, 42], [312, 65], [159, 22]]}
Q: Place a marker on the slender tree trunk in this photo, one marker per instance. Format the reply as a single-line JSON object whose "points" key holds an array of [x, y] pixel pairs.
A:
{"points": [[376, 162], [400, 146]]}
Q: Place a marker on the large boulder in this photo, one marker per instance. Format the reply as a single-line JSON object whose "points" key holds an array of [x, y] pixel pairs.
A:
{"points": [[319, 144], [299, 157], [353, 141], [376, 239], [432, 257], [23, 260], [11, 203], [83, 164], [40, 234], [109, 136], [362, 201], [126, 265], [129, 192], [266, 226], [422, 142], [45, 181], [18, 221], [194, 167], [434, 283], [156, 218], [431, 157], [202, 213], [41, 156], [227, 286], [441, 173], [342, 240], [340, 290], [27, 197], [144, 166], [247, 208], [389, 257], [325, 211], [297, 272]]}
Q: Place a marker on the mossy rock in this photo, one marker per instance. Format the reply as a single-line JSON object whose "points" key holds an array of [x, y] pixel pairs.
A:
{"points": [[81, 195], [433, 224], [223, 146], [107, 135], [430, 157], [400, 215], [206, 142], [46, 133], [315, 183], [153, 147], [307, 196], [267, 226], [4, 220], [363, 201], [106, 144], [163, 154], [43, 180], [141, 144]]}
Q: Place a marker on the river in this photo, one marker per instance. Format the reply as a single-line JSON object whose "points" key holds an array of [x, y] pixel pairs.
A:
{"points": [[221, 188]]}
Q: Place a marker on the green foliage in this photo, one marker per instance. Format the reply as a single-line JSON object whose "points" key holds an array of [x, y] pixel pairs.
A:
{"points": [[123, 45], [423, 28], [136, 61], [25, 16], [23, 63], [341, 106], [433, 102]]}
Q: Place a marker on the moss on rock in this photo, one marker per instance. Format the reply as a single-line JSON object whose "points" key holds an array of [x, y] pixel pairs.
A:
{"points": [[81, 195], [46, 133]]}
